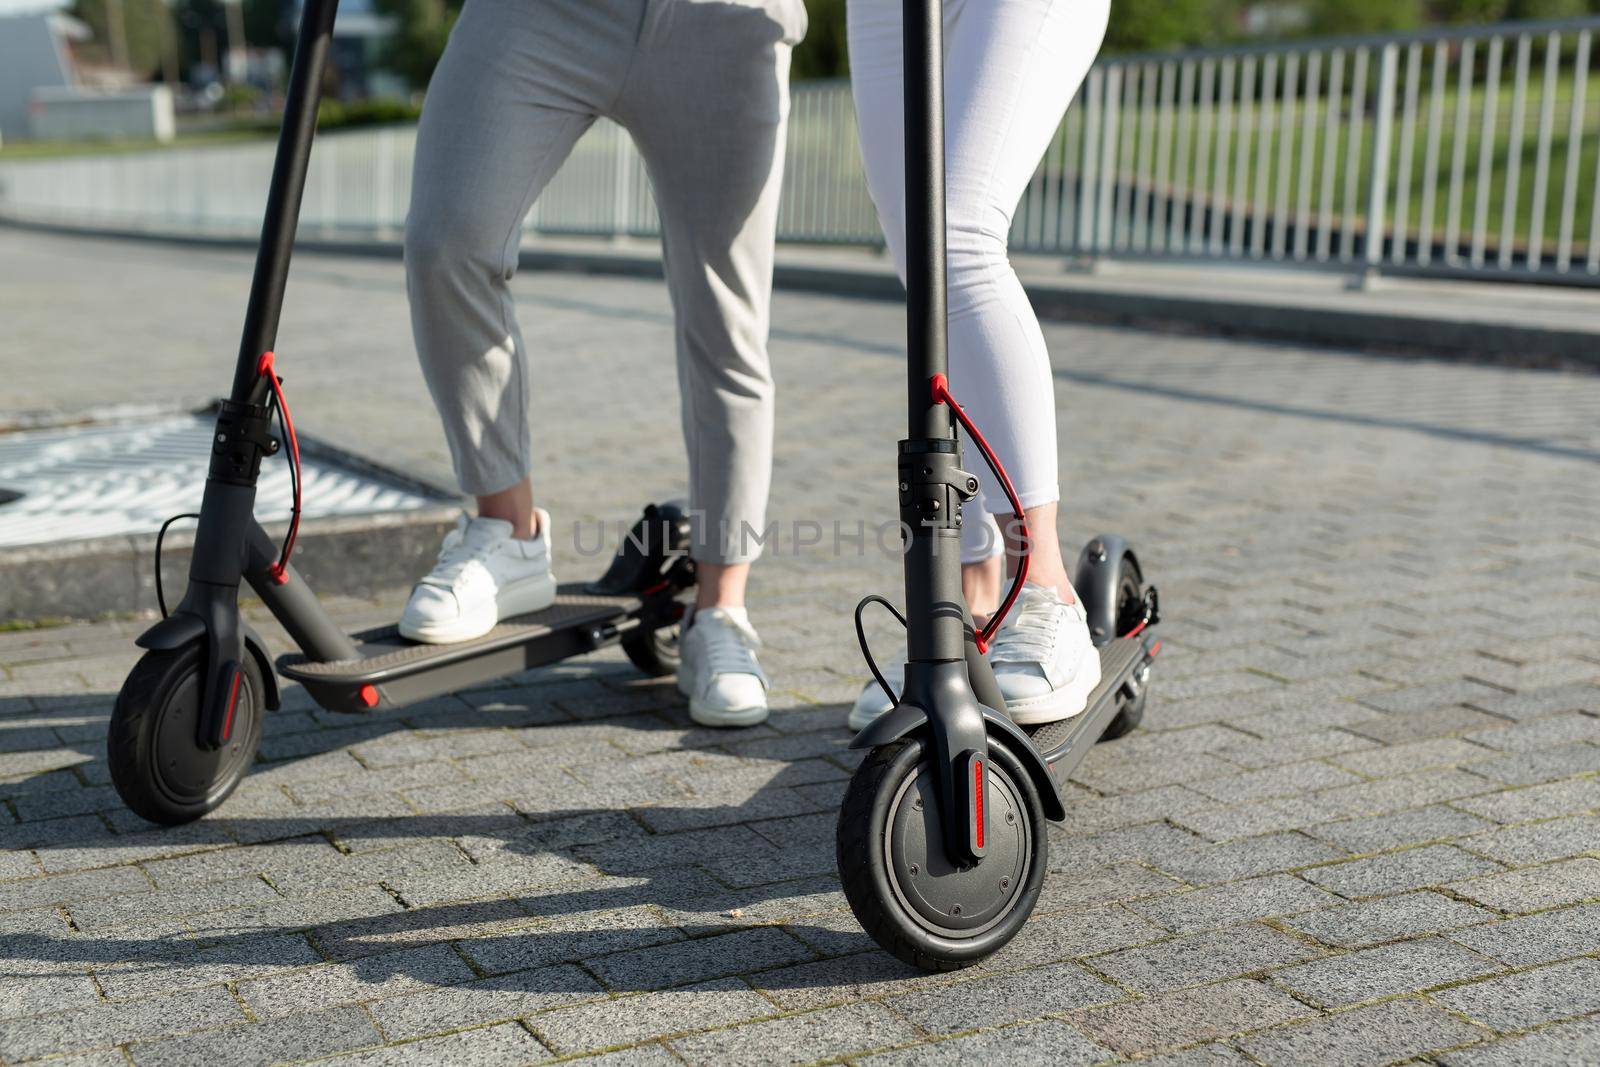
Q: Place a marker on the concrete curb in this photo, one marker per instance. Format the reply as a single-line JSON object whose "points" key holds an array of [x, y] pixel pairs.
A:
{"points": [[1378, 330], [352, 555]]}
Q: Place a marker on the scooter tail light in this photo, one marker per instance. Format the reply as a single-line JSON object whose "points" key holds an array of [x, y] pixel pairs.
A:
{"points": [[977, 801]]}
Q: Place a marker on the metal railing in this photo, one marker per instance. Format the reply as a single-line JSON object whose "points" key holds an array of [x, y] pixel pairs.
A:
{"points": [[1471, 151]]}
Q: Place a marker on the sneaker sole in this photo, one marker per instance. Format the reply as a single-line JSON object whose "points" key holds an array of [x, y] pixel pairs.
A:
{"points": [[524, 598], [706, 715], [1071, 699]]}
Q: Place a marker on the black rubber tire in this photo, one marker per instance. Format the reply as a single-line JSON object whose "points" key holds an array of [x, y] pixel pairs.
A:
{"points": [[1130, 609], [864, 870], [655, 652], [166, 683]]}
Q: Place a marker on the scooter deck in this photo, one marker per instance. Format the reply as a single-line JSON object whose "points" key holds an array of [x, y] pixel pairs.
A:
{"points": [[1064, 743], [393, 671]]}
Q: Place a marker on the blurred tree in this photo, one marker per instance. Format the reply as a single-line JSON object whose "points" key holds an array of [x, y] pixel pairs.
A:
{"points": [[423, 27], [1149, 25], [1365, 16], [132, 33], [1463, 12], [1548, 9], [823, 53]]}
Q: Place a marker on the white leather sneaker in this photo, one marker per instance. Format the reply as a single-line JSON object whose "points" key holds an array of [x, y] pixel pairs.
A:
{"points": [[719, 672], [1044, 660], [873, 702], [483, 575]]}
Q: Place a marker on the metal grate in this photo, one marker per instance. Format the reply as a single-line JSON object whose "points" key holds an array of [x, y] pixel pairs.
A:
{"points": [[105, 481]]}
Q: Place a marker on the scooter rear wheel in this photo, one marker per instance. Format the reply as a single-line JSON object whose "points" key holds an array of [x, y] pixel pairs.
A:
{"points": [[157, 764], [900, 883], [1130, 609], [655, 652]]}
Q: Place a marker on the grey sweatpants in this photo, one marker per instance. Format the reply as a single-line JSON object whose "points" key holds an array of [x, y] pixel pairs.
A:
{"points": [[702, 87]]}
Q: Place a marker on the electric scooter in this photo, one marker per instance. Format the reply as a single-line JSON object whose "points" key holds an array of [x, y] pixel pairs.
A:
{"points": [[188, 718], [941, 842]]}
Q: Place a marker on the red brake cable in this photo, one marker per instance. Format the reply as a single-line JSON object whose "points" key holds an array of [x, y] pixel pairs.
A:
{"points": [[279, 570], [941, 395]]}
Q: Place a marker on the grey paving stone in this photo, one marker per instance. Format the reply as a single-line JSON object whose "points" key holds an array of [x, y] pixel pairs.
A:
{"points": [[37, 994], [135, 908], [679, 963], [1530, 939], [1068, 935], [1373, 973], [300, 1037], [1209, 864], [1399, 871], [115, 1024], [1570, 1044], [822, 983], [507, 1044], [488, 1000], [1212, 1054], [1041, 1044], [1372, 922], [1529, 998], [1539, 842], [631, 1019], [1289, 779], [143, 972], [1199, 958], [365, 978], [1007, 998], [850, 1031], [1376, 1034], [1172, 1020], [571, 938], [637, 1056], [1542, 765], [62, 888], [1255, 898], [1570, 797], [1073, 887], [1535, 888], [1379, 833]]}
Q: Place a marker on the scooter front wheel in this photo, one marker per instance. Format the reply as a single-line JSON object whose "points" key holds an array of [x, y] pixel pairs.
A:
{"points": [[157, 763], [901, 884]]}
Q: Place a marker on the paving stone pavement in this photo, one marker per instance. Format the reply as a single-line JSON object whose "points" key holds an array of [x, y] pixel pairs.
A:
{"points": [[1361, 823]]}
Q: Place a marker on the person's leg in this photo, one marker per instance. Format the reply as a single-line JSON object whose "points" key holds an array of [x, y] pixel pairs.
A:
{"points": [[1012, 67], [513, 92], [707, 105]]}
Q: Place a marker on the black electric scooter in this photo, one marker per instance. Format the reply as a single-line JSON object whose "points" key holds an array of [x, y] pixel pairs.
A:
{"points": [[941, 841], [188, 719]]}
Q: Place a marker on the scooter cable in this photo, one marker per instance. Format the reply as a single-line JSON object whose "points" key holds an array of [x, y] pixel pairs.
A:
{"points": [[279, 570], [866, 647], [942, 395], [161, 598]]}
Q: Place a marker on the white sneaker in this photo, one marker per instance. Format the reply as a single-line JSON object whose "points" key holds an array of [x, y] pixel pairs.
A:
{"points": [[1044, 660], [719, 672], [873, 702], [483, 575]]}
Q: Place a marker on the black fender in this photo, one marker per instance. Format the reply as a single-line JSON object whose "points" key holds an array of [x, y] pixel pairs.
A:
{"points": [[180, 628], [904, 719], [653, 555], [1096, 577]]}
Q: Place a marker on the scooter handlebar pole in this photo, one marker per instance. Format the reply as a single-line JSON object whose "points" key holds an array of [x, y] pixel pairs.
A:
{"points": [[283, 198], [923, 63]]}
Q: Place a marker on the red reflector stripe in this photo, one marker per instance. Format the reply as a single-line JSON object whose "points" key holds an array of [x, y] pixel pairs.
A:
{"points": [[977, 793], [369, 696], [233, 702], [1155, 648]]}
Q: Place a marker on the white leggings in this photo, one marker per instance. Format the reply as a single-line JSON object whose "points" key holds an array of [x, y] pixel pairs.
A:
{"points": [[1011, 69]]}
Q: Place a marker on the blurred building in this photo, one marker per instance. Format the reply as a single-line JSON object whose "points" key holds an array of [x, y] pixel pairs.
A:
{"points": [[35, 53], [48, 90]]}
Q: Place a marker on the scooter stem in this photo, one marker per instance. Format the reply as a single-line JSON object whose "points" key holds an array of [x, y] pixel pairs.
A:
{"points": [[933, 487], [243, 435]]}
